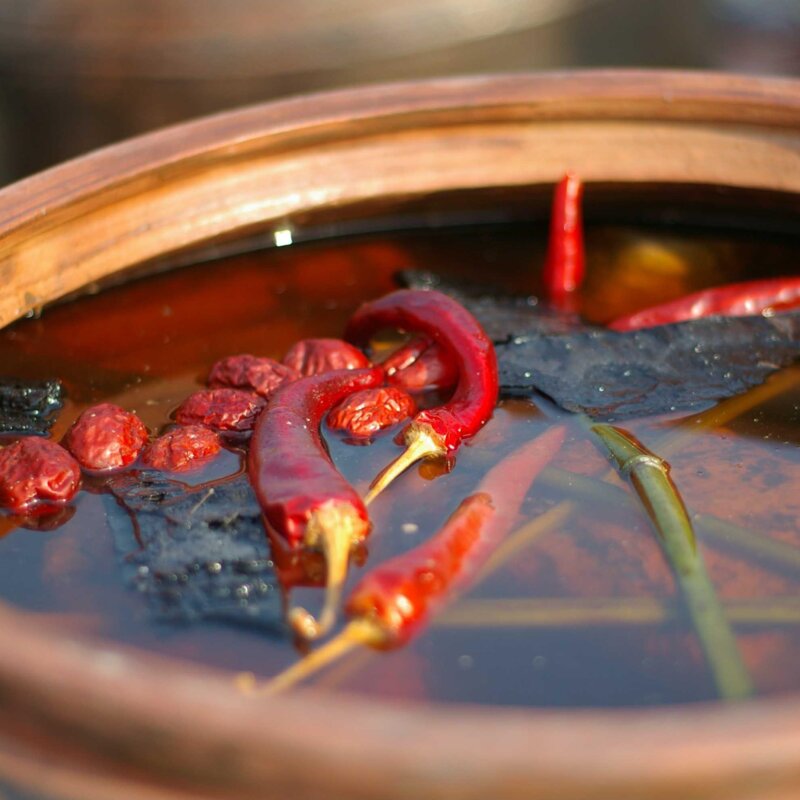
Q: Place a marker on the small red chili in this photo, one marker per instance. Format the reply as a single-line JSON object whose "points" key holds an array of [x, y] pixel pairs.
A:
{"points": [[106, 437], [734, 300], [182, 449], [392, 602], [440, 430], [420, 366], [36, 470], [221, 409], [362, 414], [305, 500], [565, 265], [258, 374], [317, 356]]}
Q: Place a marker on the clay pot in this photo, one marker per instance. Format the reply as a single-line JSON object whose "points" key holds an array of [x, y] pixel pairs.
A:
{"points": [[111, 722]]}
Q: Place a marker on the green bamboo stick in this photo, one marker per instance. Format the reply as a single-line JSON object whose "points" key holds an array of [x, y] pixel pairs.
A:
{"points": [[649, 476]]}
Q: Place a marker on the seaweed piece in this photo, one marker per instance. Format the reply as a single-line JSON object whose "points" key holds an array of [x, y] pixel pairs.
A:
{"points": [[502, 315], [29, 407], [197, 553], [688, 365], [611, 375]]}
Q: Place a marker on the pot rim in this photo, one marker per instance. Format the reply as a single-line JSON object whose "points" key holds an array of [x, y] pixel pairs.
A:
{"points": [[66, 687]]}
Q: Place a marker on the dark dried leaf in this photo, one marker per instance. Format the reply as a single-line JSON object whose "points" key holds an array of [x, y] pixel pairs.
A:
{"points": [[202, 553], [501, 315], [29, 407], [615, 376]]}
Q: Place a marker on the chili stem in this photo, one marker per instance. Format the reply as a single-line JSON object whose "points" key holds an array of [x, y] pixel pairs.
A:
{"points": [[421, 443], [333, 529], [357, 633], [649, 476], [590, 611]]}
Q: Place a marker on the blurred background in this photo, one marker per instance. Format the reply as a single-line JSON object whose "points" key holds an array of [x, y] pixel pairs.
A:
{"points": [[78, 74]]}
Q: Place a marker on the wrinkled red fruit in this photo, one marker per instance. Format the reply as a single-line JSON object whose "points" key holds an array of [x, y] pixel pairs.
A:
{"points": [[421, 365], [316, 356], [106, 437], [222, 409], [260, 375], [366, 412], [34, 470], [182, 449]]}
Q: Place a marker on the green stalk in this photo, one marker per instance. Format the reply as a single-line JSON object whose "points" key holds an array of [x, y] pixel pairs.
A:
{"points": [[649, 476]]}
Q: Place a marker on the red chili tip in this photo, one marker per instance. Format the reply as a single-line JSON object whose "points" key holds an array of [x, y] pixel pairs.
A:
{"points": [[565, 265]]}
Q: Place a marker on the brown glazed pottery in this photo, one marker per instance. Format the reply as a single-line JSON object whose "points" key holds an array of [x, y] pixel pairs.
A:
{"points": [[90, 719]]}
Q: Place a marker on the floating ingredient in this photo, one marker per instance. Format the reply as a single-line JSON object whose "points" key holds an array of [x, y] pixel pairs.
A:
{"points": [[684, 366], [196, 553], [29, 407], [441, 430]]}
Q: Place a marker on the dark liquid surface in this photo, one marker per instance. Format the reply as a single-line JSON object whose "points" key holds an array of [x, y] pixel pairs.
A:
{"points": [[584, 615]]}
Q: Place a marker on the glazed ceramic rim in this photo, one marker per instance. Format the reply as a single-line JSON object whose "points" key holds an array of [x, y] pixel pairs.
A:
{"points": [[188, 185]]}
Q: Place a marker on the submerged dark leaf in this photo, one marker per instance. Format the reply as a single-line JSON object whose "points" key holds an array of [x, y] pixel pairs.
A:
{"points": [[501, 315], [29, 407], [689, 365], [614, 376], [202, 553]]}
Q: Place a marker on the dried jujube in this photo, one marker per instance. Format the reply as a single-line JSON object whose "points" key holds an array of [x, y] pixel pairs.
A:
{"points": [[182, 449], [222, 409], [106, 437], [34, 470], [256, 373], [317, 356], [362, 414]]}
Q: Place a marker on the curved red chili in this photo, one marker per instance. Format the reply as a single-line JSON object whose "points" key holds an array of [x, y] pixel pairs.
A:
{"points": [[421, 365], [734, 300], [392, 602], [439, 430], [305, 499], [565, 265]]}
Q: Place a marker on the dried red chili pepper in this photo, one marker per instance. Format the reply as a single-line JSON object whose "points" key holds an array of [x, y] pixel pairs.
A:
{"points": [[421, 365], [441, 430], [317, 356], [565, 265], [362, 414], [305, 500], [106, 437], [734, 300], [394, 600], [258, 374], [182, 449], [222, 409], [34, 470]]}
